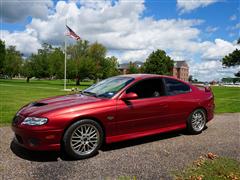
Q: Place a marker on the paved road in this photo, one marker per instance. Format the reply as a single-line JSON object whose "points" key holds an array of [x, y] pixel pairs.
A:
{"points": [[153, 157]]}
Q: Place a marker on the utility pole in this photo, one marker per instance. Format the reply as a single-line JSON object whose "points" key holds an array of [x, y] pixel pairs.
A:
{"points": [[65, 61]]}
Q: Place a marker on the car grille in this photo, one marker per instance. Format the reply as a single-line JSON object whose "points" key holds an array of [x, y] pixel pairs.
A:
{"points": [[17, 119]]}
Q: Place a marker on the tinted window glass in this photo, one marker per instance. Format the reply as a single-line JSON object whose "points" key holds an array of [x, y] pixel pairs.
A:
{"points": [[108, 87], [148, 88], [176, 87]]}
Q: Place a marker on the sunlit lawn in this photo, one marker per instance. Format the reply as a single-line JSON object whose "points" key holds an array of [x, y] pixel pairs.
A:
{"points": [[227, 99], [16, 93]]}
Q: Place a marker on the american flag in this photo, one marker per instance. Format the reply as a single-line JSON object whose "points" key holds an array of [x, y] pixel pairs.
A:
{"points": [[72, 34]]}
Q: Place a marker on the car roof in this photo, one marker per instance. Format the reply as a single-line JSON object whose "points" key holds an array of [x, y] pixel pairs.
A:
{"points": [[143, 76]]}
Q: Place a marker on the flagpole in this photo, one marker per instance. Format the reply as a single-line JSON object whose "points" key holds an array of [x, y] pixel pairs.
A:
{"points": [[65, 62]]}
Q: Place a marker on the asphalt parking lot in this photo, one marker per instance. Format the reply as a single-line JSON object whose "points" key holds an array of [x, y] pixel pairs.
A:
{"points": [[154, 157]]}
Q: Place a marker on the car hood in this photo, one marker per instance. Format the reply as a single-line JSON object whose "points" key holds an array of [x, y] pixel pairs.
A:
{"points": [[55, 103]]}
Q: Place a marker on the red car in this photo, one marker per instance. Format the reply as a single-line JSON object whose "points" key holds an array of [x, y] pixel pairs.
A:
{"points": [[115, 109]]}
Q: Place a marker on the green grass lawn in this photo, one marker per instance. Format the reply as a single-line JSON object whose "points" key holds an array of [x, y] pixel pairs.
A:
{"points": [[227, 99], [16, 93]]}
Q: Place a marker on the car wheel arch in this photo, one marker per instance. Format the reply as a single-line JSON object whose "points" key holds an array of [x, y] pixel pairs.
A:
{"points": [[199, 107], [82, 118]]}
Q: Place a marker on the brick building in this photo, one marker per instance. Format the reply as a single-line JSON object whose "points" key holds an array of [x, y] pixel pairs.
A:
{"points": [[181, 70]]}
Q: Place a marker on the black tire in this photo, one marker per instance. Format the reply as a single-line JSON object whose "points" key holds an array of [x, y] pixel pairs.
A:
{"points": [[192, 122], [76, 130]]}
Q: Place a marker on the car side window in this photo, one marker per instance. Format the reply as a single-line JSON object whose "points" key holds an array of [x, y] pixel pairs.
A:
{"points": [[175, 87], [148, 88]]}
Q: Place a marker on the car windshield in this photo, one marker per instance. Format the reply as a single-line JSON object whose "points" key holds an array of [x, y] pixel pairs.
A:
{"points": [[108, 87]]}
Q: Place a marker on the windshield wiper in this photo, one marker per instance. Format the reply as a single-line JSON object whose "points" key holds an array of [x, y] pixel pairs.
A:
{"points": [[89, 93]]}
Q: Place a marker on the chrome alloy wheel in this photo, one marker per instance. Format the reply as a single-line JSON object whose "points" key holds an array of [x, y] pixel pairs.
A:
{"points": [[85, 138], [198, 120]]}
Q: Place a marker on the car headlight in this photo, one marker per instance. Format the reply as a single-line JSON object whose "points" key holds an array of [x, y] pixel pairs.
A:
{"points": [[34, 121]]}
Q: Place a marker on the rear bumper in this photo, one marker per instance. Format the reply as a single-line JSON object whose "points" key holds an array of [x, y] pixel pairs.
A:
{"points": [[38, 140], [210, 112]]}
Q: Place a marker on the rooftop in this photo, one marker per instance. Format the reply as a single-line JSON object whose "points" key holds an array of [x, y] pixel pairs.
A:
{"points": [[179, 64]]}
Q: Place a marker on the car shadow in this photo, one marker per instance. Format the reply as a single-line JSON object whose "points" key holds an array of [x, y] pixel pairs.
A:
{"points": [[39, 156], [146, 139], [142, 140], [50, 156]]}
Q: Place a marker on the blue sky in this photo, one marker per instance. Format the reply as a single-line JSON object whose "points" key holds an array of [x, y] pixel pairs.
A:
{"points": [[200, 32], [215, 15]]}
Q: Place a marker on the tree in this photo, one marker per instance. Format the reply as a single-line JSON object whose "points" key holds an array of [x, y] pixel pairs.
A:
{"points": [[2, 55], [132, 68], [110, 67], [238, 42], [158, 63], [56, 63], [87, 61], [98, 52], [47, 63], [237, 74], [27, 69], [13, 62], [230, 80], [78, 68], [195, 80], [232, 59], [190, 78]]}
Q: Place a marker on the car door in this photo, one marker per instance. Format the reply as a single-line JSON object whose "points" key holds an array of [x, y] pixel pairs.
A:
{"points": [[147, 112], [180, 101]]}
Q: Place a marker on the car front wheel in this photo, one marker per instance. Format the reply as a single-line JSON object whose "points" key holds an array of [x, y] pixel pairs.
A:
{"points": [[82, 139], [196, 121]]}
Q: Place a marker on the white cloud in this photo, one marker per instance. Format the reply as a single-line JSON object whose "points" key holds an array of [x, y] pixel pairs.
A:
{"points": [[188, 5], [210, 66], [237, 26], [26, 41], [217, 50], [18, 10], [231, 34], [117, 27], [211, 70], [233, 17], [210, 29], [122, 29]]}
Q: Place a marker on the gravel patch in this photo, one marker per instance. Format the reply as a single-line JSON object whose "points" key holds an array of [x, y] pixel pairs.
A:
{"points": [[153, 157]]}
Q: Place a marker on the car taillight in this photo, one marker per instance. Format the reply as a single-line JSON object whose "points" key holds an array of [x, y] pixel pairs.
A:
{"points": [[208, 89]]}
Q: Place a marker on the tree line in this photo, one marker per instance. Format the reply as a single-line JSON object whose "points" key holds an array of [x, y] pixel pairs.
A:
{"points": [[84, 60]]}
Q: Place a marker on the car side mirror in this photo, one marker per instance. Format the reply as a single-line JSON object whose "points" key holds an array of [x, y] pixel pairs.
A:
{"points": [[129, 96]]}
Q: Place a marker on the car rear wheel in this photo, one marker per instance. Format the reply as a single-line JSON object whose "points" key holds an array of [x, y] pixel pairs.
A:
{"points": [[196, 121], [83, 139]]}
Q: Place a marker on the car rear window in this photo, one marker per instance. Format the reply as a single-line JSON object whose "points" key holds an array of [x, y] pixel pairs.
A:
{"points": [[175, 87]]}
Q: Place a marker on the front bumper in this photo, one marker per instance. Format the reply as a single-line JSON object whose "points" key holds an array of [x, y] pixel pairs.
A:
{"points": [[37, 139]]}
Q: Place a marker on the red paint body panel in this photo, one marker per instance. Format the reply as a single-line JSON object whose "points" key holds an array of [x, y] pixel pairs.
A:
{"points": [[132, 119]]}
